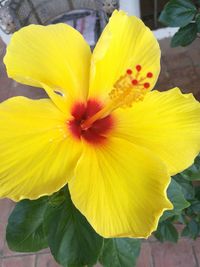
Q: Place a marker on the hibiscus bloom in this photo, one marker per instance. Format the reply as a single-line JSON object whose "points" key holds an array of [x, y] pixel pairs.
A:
{"points": [[103, 131]]}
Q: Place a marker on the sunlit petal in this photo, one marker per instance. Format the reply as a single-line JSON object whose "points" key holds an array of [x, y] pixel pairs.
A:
{"points": [[124, 44], [56, 56], [166, 123], [120, 188], [37, 155]]}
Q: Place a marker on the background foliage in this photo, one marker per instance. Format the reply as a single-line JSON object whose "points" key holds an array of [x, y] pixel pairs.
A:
{"points": [[184, 14]]}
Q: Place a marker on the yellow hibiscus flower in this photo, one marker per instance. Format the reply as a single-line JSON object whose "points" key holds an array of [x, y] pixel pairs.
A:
{"points": [[102, 132]]}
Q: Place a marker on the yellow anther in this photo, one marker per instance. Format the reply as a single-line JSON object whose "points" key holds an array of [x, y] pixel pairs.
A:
{"points": [[129, 88]]}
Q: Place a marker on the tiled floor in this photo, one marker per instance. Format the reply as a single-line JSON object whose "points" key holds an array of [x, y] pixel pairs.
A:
{"points": [[180, 67]]}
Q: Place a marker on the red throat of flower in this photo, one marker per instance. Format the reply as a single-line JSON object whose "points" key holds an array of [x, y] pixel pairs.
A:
{"points": [[93, 122], [95, 132]]}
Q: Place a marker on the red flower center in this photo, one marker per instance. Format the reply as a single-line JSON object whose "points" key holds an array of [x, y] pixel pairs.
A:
{"points": [[97, 132]]}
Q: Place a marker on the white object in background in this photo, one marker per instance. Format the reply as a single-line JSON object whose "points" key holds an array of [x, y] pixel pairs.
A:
{"points": [[132, 7], [165, 32], [5, 37]]}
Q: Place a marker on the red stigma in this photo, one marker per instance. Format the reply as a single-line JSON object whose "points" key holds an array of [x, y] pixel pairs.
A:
{"points": [[129, 72], [146, 85], [138, 68], [149, 75], [97, 132], [134, 82]]}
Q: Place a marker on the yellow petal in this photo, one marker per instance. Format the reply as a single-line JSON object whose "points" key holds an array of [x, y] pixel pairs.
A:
{"points": [[56, 56], [125, 43], [120, 188], [37, 156], [166, 123]]}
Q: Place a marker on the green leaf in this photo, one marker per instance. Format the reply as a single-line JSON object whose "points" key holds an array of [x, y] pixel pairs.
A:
{"points": [[182, 218], [120, 252], [191, 230], [58, 198], [178, 13], [186, 186], [193, 172], [185, 35], [198, 22], [176, 196], [197, 192], [25, 231], [166, 232], [195, 206], [72, 240], [186, 232]]}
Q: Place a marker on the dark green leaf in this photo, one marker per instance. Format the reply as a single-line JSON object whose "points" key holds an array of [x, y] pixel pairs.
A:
{"points": [[186, 186], [178, 13], [182, 218], [58, 198], [198, 22], [120, 252], [193, 172], [197, 192], [186, 232], [166, 232], [195, 206], [176, 196], [185, 35], [191, 230], [72, 240], [25, 231]]}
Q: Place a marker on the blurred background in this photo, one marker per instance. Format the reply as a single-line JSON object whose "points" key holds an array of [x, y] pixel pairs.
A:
{"points": [[180, 67]]}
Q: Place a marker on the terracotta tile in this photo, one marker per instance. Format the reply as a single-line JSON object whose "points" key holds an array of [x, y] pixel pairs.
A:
{"points": [[6, 206], [46, 260], [196, 246], [28, 91], [179, 227], [27, 261], [164, 73], [185, 78], [9, 253], [2, 48], [2, 51], [173, 255], [194, 45], [166, 49], [44, 251], [5, 82], [175, 61], [197, 69], [197, 96], [2, 237], [151, 239], [145, 258], [195, 56], [164, 85]]}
